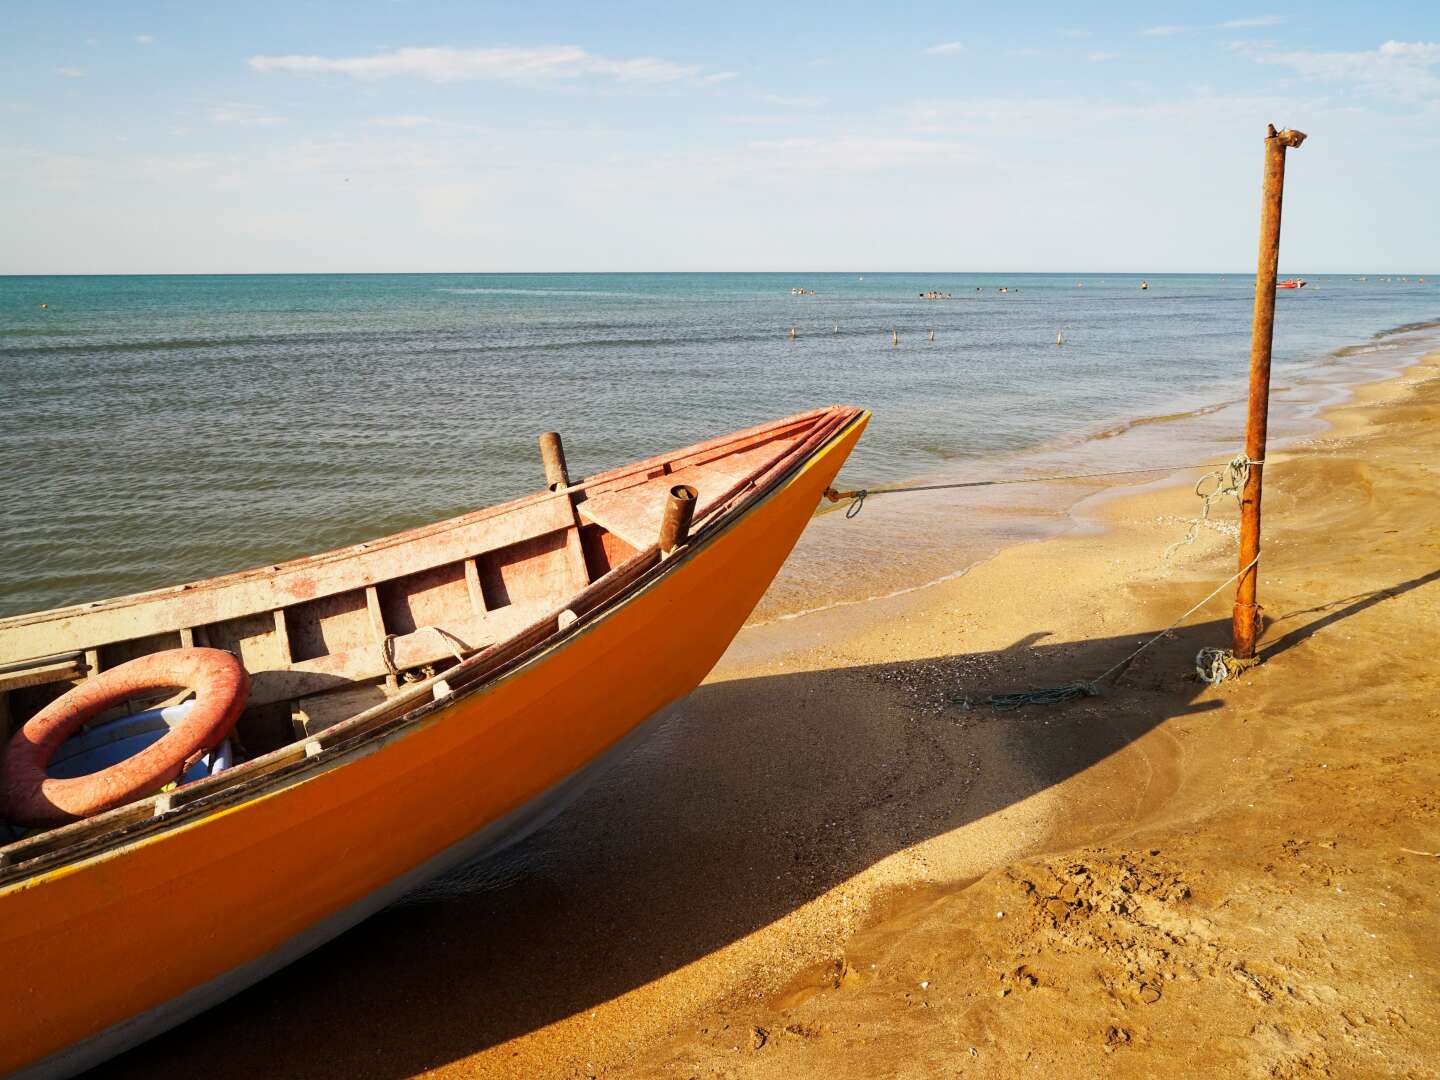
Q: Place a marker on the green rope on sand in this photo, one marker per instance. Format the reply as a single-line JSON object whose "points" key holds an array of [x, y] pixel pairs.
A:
{"points": [[1051, 696]]}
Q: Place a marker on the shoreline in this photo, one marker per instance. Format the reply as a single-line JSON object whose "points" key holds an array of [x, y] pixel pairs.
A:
{"points": [[820, 792], [1041, 511]]}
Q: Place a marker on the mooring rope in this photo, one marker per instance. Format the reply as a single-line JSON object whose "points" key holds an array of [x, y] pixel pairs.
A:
{"points": [[1212, 665], [1229, 480], [1055, 694], [859, 495]]}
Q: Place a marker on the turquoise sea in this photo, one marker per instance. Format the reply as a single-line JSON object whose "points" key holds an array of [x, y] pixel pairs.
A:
{"points": [[162, 429]]}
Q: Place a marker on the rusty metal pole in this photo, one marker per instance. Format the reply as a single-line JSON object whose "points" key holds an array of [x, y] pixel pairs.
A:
{"points": [[679, 512], [552, 453], [1245, 624]]}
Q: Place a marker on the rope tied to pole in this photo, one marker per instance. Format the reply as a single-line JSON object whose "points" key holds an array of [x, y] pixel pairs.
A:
{"points": [[1214, 666], [1053, 695], [859, 495], [1229, 479]]}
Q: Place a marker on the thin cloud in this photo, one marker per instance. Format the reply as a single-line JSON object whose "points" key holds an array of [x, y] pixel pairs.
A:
{"points": [[1164, 31], [1074, 33], [1011, 119], [1254, 22], [242, 115], [71, 72], [946, 47], [806, 102], [1405, 71], [459, 65], [759, 119], [408, 120], [1101, 57], [145, 39]]}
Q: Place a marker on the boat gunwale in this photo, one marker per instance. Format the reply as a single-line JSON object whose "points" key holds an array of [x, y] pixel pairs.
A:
{"points": [[392, 540], [294, 762]]}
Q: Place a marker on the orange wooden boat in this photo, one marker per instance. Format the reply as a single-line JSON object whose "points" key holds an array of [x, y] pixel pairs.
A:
{"points": [[415, 702]]}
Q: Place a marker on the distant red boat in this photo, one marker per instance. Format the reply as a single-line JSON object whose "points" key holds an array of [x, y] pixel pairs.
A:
{"points": [[1291, 283]]}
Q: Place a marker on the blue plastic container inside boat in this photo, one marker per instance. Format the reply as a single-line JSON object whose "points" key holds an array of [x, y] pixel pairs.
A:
{"points": [[112, 742]]}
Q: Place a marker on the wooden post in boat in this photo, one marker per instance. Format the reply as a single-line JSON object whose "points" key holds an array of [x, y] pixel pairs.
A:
{"points": [[1245, 623], [552, 453], [679, 512]]}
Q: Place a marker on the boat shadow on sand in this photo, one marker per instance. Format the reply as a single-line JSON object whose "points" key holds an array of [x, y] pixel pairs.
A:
{"points": [[749, 799]]}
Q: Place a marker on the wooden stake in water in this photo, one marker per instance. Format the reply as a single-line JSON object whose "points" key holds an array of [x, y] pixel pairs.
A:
{"points": [[1245, 624]]}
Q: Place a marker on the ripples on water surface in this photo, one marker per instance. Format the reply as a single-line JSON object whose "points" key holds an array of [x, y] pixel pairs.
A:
{"points": [[162, 429]]}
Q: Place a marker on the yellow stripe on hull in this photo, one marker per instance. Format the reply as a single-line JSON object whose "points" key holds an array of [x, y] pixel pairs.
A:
{"points": [[106, 952]]}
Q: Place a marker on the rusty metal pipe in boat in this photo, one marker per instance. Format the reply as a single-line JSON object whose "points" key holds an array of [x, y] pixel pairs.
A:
{"points": [[679, 512], [1245, 622], [552, 453]]}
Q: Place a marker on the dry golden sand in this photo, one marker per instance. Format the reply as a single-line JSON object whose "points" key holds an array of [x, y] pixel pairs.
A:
{"points": [[803, 873]]}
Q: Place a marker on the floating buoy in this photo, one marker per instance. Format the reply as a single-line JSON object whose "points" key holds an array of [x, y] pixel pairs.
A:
{"points": [[44, 307]]}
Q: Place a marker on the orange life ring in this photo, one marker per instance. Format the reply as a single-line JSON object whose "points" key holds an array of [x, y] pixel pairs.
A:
{"points": [[30, 796]]}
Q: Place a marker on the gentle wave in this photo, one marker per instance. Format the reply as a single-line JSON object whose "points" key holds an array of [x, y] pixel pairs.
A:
{"points": [[1410, 328], [1162, 418], [852, 601]]}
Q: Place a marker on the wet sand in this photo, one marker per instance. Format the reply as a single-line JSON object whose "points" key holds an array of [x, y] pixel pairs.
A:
{"points": [[804, 871]]}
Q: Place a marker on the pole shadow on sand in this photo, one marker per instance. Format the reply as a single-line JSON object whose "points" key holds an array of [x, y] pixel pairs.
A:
{"points": [[753, 797]]}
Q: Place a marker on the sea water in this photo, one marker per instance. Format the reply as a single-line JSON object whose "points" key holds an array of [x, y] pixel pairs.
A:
{"points": [[159, 429]]}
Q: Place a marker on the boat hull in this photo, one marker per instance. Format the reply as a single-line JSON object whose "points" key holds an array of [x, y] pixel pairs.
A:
{"points": [[107, 952]]}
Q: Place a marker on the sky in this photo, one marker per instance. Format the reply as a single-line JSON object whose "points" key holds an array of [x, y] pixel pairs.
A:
{"points": [[462, 136]]}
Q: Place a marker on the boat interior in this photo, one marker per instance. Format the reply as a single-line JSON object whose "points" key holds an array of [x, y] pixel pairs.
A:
{"points": [[379, 628]]}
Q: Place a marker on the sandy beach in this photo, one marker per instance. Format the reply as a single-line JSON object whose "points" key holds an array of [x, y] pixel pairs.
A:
{"points": [[835, 859], [1210, 881]]}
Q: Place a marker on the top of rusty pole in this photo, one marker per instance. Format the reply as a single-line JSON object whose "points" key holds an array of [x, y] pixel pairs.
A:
{"points": [[1290, 138]]}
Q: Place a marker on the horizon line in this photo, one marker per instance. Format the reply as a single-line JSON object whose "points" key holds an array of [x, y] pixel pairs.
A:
{"points": [[518, 273]]}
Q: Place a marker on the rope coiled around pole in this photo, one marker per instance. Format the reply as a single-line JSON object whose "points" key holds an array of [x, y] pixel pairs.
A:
{"points": [[1229, 479]]}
